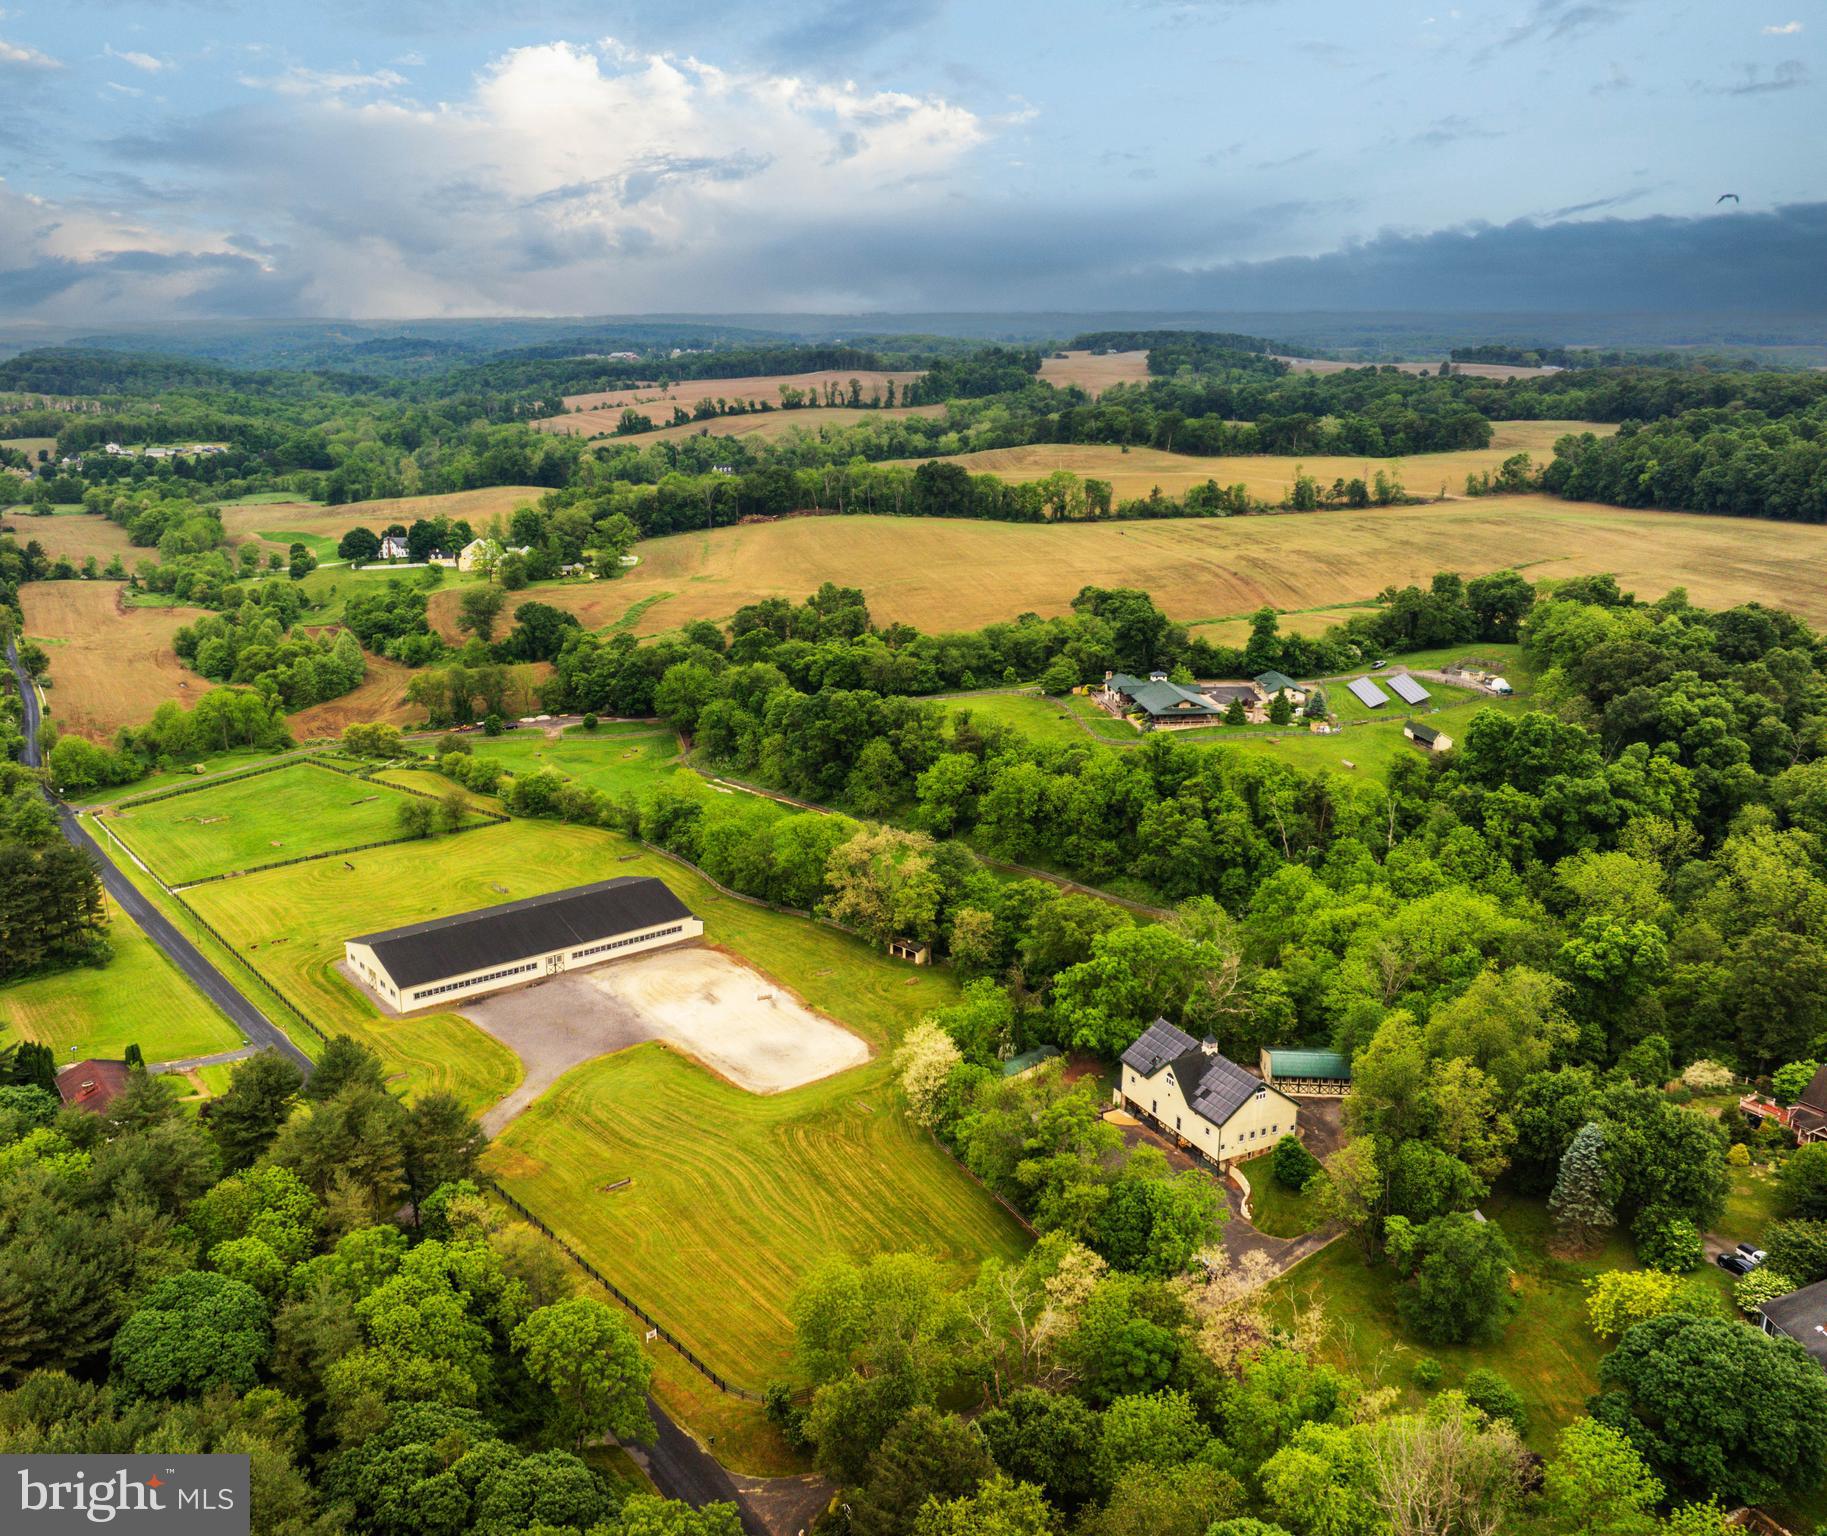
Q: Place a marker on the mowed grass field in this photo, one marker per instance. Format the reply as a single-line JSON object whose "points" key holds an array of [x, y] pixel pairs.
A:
{"points": [[615, 763], [1475, 370], [268, 520], [290, 813], [76, 535], [944, 574], [1549, 1353], [1095, 374], [1138, 471], [769, 426], [110, 666], [736, 1197], [138, 997], [686, 393]]}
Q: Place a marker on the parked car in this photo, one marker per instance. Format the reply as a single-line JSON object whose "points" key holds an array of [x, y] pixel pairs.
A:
{"points": [[1735, 1264], [1377, 666], [1752, 1252]]}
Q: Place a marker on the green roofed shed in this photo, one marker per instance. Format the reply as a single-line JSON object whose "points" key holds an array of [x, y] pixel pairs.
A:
{"points": [[1314, 1072]]}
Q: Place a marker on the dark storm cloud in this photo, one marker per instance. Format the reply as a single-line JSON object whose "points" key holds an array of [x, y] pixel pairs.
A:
{"points": [[1736, 261]]}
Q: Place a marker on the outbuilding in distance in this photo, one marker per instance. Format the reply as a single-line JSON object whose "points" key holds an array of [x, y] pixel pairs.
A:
{"points": [[450, 959]]}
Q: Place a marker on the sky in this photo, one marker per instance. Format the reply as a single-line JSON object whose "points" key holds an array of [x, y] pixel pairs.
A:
{"points": [[412, 158]]}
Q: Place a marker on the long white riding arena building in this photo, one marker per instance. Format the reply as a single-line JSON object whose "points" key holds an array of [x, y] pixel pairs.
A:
{"points": [[450, 959]]}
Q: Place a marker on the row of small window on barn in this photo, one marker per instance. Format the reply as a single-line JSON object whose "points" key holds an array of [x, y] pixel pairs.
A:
{"points": [[532, 965]]}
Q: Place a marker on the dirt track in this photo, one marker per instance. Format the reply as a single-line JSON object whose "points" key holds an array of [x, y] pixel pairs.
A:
{"points": [[734, 1020]]}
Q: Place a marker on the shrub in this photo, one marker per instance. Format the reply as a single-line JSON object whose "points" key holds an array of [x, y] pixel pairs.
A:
{"points": [[1427, 1373], [1486, 1390], [1761, 1285], [1708, 1076], [1739, 1156], [1668, 1242], [590, 722], [1292, 1164]]}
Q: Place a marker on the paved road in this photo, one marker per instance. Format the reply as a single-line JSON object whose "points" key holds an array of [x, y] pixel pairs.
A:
{"points": [[255, 1025]]}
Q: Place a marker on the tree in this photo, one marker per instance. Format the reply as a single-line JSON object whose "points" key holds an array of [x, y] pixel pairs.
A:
{"points": [[1046, 1438], [1281, 709], [1582, 1200], [1447, 1470], [592, 1362], [1425, 1182], [443, 1144], [193, 1332], [1718, 1409], [245, 1119], [883, 883], [1788, 1083], [1495, 1398], [645, 1514], [1235, 713], [300, 562], [356, 546], [1618, 1299], [479, 608], [1353, 1192], [414, 817], [922, 1065], [998, 1508], [1292, 1164], [1597, 1483], [927, 1456], [1801, 1182], [345, 1062], [1459, 1272]]}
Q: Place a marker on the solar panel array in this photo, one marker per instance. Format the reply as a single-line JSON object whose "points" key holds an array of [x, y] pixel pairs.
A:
{"points": [[1408, 690], [1367, 693]]}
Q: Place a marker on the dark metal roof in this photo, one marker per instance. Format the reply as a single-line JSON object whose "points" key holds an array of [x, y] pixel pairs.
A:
{"points": [[518, 930], [1223, 693], [1160, 1044], [1214, 1086], [1802, 1316], [1425, 734], [1815, 1094]]}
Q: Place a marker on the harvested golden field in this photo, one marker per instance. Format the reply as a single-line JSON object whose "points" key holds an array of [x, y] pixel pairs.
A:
{"points": [[946, 574], [687, 392], [77, 535], [1137, 471], [275, 517], [1472, 370], [110, 665], [769, 426], [1305, 621], [30, 446], [381, 699], [1095, 374]]}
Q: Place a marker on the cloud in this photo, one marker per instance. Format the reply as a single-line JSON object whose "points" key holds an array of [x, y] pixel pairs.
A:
{"points": [[299, 81], [1453, 129], [1615, 81], [1787, 29], [1555, 21], [1283, 164], [1790, 75], [570, 178], [23, 57], [841, 29], [142, 61]]}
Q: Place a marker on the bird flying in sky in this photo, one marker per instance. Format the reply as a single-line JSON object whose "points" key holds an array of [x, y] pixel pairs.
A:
{"points": [[1725, 197]]}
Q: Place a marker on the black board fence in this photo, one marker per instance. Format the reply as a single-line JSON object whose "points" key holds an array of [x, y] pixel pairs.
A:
{"points": [[721, 1383]]}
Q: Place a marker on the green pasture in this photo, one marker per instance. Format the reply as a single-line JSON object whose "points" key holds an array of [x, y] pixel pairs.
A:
{"points": [[736, 1196], [1278, 1210], [138, 996], [171, 778], [614, 763], [291, 812]]}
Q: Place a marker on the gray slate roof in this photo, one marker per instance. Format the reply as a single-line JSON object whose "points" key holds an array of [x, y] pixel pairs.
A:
{"points": [[1802, 1315], [518, 930], [1214, 1086], [1408, 690]]}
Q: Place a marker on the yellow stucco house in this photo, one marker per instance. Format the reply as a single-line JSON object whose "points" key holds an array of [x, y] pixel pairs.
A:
{"points": [[1207, 1103]]}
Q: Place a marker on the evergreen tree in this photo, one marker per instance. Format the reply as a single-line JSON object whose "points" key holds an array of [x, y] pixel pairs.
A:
{"points": [[35, 1066], [245, 1120], [1582, 1198]]}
